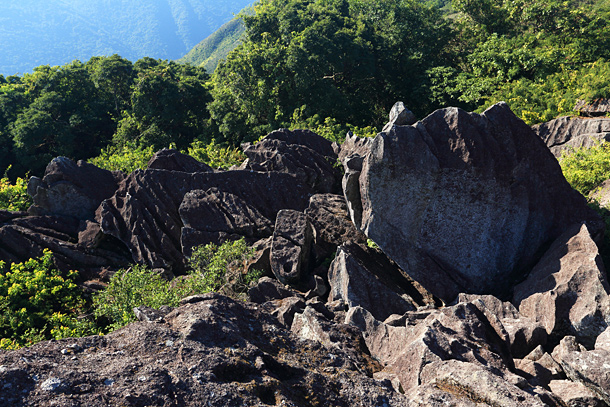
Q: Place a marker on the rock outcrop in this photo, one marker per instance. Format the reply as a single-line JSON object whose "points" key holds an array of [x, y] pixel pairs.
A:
{"points": [[467, 211], [570, 132], [464, 202], [567, 291]]}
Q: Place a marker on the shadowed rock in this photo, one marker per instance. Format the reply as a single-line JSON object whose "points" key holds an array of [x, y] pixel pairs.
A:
{"points": [[72, 189], [525, 334], [309, 166], [365, 278], [291, 246], [466, 202], [145, 212], [173, 160], [211, 352]]}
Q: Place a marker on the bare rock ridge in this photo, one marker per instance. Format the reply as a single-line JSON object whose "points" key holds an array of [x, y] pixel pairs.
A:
{"points": [[570, 132], [450, 265]]}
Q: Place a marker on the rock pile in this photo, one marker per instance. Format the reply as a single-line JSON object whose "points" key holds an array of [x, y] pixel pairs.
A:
{"points": [[451, 264]]}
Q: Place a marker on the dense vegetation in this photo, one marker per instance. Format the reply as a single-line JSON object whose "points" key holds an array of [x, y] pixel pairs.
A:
{"points": [[37, 302], [330, 65], [38, 32]]}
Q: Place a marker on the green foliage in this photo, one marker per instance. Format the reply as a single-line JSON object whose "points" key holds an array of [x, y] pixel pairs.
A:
{"points": [[541, 100], [216, 155], [213, 268], [38, 303], [330, 128], [132, 288], [126, 158], [14, 197], [586, 168], [221, 268], [347, 60]]}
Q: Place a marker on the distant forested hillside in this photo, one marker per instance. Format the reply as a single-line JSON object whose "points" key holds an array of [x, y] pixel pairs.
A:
{"points": [[217, 46], [55, 32]]}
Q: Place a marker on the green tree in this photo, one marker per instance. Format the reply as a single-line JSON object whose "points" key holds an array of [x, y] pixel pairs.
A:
{"points": [[349, 60]]}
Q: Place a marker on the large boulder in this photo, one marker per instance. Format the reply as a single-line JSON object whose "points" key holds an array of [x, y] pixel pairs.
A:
{"points": [[291, 247], [567, 291], [174, 160], [330, 219], [465, 202], [461, 332], [589, 368], [525, 334], [308, 165], [72, 189], [145, 213], [26, 237], [570, 132], [365, 278]]}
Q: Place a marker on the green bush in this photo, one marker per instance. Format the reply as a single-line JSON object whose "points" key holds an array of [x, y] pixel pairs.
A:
{"points": [[126, 158], [213, 268], [216, 155], [38, 303], [130, 288], [14, 197], [586, 168], [222, 268]]}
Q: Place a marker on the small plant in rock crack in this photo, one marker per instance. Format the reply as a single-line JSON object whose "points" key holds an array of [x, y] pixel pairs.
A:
{"points": [[223, 268]]}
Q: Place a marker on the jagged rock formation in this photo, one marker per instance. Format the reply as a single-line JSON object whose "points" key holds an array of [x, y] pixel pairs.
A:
{"points": [[462, 206], [463, 202], [571, 132]]}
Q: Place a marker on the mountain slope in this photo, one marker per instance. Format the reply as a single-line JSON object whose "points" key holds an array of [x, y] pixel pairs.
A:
{"points": [[217, 46], [35, 32]]}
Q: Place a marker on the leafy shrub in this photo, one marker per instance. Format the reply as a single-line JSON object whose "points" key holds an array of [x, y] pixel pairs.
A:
{"points": [[586, 168], [38, 303], [216, 155], [130, 288], [126, 158], [221, 268], [14, 197], [213, 268]]}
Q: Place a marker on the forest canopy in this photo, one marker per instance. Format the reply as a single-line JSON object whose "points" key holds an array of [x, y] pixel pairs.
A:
{"points": [[328, 65]]}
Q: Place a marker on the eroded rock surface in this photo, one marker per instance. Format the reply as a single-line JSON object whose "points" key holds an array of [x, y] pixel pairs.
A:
{"points": [[567, 291], [570, 132], [464, 202], [213, 352]]}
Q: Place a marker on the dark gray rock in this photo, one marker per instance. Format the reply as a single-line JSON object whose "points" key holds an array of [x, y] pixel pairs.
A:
{"points": [[399, 116], [367, 279], [268, 289], [291, 246], [144, 214], [305, 138], [330, 219], [461, 332], [214, 352], [173, 160], [309, 166], [72, 189], [212, 216], [465, 202], [525, 334]]}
